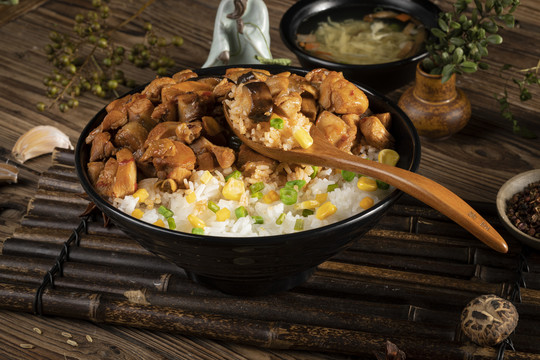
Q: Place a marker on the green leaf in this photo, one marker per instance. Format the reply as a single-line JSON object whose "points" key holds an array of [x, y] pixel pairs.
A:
{"points": [[524, 132], [483, 66], [457, 56], [508, 19], [455, 25], [443, 25], [494, 39], [457, 41], [478, 4], [488, 5], [438, 33], [490, 26], [468, 66], [447, 72]]}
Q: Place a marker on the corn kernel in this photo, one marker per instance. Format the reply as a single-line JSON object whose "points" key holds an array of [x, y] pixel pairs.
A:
{"points": [[366, 203], [206, 177], [191, 197], [196, 221], [223, 214], [233, 189], [137, 213], [159, 222], [141, 194], [308, 204], [366, 184], [270, 197], [303, 137], [325, 210], [321, 198], [388, 157]]}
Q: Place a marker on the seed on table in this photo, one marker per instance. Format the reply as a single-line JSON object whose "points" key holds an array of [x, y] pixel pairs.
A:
{"points": [[72, 342], [26, 346], [89, 338], [66, 334], [37, 330]]}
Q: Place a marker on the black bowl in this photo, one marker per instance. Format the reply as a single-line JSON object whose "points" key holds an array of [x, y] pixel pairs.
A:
{"points": [[256, 265], [304, 16]]}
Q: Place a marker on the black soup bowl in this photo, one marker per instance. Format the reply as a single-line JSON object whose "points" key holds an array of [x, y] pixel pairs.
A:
{"points": [[305, 15], [249, 266]]}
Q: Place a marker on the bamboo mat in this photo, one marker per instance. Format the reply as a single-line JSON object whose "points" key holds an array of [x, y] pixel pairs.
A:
{"points": [[406, 281]]}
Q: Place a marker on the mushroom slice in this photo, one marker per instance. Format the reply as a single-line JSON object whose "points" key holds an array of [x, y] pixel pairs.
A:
{"points": [[309, 106], [125, 182], [258, 101], [225, 156], [488, 320], [375, 133], [193, 106]]}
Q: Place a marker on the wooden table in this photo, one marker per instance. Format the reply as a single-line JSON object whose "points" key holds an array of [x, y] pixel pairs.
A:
{"points": [[473, 163]]}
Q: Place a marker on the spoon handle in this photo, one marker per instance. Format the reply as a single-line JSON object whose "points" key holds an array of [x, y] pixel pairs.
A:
{"points": [[432, 194]]}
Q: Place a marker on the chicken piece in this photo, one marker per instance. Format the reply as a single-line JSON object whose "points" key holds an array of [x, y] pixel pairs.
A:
{"points": [[225, 156], [125, 180], [118, 103], [340, 96], [188, 132], [114, 119], [102, 147], [158, 148], [317, 76], [166, 111], [205, 161], [278, 84], [375, 133], [338, 132], [140, 110], [178, 174], [193, 106], [153, 90], [131, 136], [184, 75], [94, 169], [385, 118], [288, 104], [106, 178], [300, 85], [162, 130], [222, 89], [171, 92]]}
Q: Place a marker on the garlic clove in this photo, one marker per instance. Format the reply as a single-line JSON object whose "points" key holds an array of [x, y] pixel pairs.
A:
{"points": [[8, 173], [38, 141]]}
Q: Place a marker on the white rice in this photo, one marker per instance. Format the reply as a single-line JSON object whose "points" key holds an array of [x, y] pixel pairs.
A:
{"points": [[346, 198]]}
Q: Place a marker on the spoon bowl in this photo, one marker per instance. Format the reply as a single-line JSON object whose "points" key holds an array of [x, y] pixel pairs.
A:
{"points": [[323, 153]]}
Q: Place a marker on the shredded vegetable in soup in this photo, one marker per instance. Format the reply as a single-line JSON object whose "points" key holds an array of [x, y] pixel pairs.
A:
{"points": [[381, 37]]}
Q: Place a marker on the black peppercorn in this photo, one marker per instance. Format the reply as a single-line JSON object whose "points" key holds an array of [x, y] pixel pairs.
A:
{"points": [[523, 210]]}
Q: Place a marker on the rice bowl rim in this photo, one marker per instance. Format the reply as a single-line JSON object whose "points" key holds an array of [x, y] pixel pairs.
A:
{"points": [[100, 202]]}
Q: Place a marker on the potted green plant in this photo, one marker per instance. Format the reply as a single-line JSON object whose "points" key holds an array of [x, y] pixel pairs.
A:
{"points": [[457, 45]]}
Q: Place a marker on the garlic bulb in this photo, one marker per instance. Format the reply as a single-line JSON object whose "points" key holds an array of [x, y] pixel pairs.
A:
{"points": [[38, 141]]}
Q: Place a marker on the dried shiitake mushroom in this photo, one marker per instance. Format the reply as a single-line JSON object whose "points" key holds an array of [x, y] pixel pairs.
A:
{"points": [[488, 320]]}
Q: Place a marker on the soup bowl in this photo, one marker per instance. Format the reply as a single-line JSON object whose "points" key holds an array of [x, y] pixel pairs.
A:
{"points": [[305, 15], [264, 264]]}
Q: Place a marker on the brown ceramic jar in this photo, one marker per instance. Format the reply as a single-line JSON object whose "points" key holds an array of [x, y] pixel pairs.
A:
{"points": [[437, 110]]}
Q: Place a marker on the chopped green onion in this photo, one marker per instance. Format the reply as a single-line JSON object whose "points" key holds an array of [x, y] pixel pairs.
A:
{"points": [[165, 212], [213, 206], [280, 219], [288, 195], [382, 185], [258, 219], [307, 212], [276, 123], [332, 187], [198, 231], [258, 186], [299, 224], [235, 174], [347, 175], [172, 223], [291, 184], [315, 171], [240, 212], [258, 195]]}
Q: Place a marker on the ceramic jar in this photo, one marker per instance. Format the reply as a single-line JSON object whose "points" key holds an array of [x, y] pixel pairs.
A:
{"points": [[438, 110]]}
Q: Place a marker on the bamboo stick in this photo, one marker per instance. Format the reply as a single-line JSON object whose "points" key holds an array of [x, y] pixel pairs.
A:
{"points": [[63, 156]]}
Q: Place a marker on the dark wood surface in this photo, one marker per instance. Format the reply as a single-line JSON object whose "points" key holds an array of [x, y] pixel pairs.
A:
{"points": [[473, 163]]}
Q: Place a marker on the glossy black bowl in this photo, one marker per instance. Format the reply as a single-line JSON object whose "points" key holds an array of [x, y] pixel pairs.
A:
{"points": [[305, 15], [256, 265]]}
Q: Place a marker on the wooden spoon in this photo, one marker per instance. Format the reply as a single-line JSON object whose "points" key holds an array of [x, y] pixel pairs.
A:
{"points": [[323, 153]]}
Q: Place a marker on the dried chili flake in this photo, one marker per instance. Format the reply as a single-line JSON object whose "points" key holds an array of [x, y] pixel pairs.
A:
{"points": [[523, 210]]}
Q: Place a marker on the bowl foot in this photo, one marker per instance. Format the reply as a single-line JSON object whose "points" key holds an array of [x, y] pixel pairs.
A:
{"points": [[256, 287]]}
